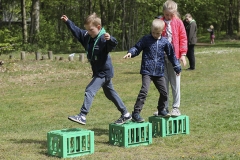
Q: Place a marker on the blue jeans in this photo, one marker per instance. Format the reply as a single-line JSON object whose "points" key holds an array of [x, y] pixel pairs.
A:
{"points": [[109, 92], [160, 84]]}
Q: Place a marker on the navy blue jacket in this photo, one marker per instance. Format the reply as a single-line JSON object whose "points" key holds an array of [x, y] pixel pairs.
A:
{"points": [[153, 54], [100, 60]]}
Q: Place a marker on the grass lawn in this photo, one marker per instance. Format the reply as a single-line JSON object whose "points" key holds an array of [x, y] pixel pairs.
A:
{"points": [[38, 96]]}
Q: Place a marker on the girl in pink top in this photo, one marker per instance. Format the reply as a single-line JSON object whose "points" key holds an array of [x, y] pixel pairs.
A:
{"points": [[176, 34]]}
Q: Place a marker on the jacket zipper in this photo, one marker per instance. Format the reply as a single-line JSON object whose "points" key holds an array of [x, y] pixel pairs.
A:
{"points": [[155, 60]]}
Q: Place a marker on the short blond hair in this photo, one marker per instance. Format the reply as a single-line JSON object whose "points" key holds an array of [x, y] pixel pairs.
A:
{"points": [[172, 7], [157, 24], [211, 27], [93, 19]]}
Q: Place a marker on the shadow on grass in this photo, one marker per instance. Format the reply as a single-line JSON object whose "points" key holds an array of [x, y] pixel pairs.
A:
{"points": [[100, 131], [43, 144]]}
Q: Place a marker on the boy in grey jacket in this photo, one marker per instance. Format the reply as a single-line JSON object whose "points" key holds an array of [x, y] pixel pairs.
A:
{"points": [[154, 48]]}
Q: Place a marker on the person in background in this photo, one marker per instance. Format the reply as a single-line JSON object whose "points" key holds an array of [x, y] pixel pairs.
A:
{"points": [[154, 47], [191, 29], [97, 43], [176, 34], [212, 35]]}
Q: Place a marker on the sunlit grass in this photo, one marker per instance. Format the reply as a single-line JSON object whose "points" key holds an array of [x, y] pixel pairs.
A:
{"points": [[37, 97]]}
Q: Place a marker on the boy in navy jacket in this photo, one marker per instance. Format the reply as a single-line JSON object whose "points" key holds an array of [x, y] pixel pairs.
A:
{"points": [[97, 44], [155, 48]]}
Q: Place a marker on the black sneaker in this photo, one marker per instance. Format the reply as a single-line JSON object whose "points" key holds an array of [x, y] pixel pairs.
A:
{"points": [[191, 69], [123, 119], [163, 113], [137, 118]]}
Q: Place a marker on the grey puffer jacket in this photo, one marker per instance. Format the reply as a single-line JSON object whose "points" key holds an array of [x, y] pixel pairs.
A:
{"points": [[153, 55]]}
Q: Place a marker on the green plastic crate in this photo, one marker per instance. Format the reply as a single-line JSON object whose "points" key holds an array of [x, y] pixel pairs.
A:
{"points": [[169, 126], [67, 143], [130, 134]]}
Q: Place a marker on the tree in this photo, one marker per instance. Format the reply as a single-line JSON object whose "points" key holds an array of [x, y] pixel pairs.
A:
{"points": [[24, 21], [1, 12], [127, 20], [34, 21]]}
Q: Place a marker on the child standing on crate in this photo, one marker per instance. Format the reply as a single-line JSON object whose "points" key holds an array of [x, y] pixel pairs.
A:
{"points": [[176, 34], [153, 48], [97, 44]]}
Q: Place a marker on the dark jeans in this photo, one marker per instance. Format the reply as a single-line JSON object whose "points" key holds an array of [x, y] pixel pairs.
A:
{"points": [[160, 84], [191, 56]]}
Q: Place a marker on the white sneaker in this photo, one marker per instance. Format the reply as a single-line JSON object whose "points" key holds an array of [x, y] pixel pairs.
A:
{"points": [[175, 112], [155, 113]]}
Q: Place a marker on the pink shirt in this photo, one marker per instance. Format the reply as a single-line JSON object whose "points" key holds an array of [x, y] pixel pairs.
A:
{"points": [[179, 36]]}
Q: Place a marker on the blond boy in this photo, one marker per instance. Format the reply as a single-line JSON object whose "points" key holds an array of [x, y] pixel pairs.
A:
{"points": [[153, 48], [97, 44]]}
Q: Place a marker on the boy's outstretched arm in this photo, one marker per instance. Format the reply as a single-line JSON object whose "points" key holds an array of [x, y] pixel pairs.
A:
{"points": [[128, 55], [76, 31], [136, 49], [64, 18]]}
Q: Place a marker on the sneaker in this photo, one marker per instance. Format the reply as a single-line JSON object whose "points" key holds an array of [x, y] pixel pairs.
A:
{"points": [[164, 113], [78, 118], [123, 119], [191, 69], [156, 113], [175, 112], [137, 118]]}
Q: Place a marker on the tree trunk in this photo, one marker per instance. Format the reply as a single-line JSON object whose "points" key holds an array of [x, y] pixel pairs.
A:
{"points": [[238, 18], [90, 7], [1, 13], [230, 20], [111, 16], [34, 21], [123, 23], [103, 12], [24, 22]]}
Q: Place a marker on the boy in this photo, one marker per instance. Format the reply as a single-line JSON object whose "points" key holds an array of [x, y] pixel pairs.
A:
{"points": [[97, 44], [154, 47]]}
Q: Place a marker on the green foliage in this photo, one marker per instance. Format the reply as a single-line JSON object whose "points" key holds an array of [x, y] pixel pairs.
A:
{"points": [[126, 20], [7, 41]]}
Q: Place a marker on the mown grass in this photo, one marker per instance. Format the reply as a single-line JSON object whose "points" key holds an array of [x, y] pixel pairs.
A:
{"points": [[37, 97]]}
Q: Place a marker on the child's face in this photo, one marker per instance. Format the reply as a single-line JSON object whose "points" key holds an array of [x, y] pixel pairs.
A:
{"points": [[168, 15], [156, 33], [92, 29]]}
